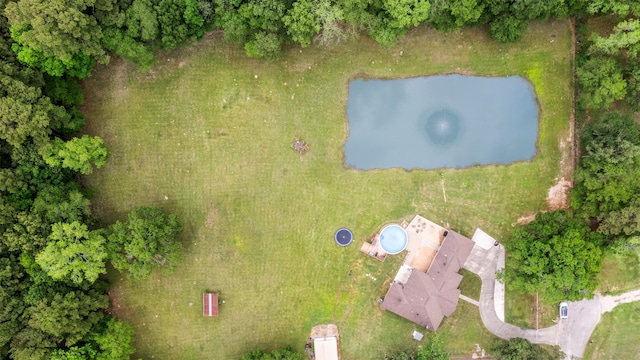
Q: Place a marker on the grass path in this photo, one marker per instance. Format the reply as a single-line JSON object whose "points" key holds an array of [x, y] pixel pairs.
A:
{"points": [[206, 134]]}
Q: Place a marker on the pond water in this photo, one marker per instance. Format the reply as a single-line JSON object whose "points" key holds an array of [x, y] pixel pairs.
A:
{"points": [[445, 121]]}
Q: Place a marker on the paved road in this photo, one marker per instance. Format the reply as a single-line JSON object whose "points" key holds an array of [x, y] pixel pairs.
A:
{"points": [[570, 334]]}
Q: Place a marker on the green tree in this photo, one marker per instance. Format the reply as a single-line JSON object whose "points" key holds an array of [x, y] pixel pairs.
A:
{"points": [[66, 92], [405, 13], [194, 19], [68, 316], [58, 28], [56, 204], [625, 37], [74, 252], [555, 255], [622, 8], [32, 344], [74, 353], [115, 341], [507, 28], [539, 9], [451, 15], [601, 83], [280, 354], [79, 65], [24, 113], [78, 154], [433, 350], [522, 349], [142, 21], [302, 22], [146, 241], [264, 45], [63, 91], [606, 177], [129, 48], [625, 221], [28, 161], [400, 355], [172, 27], [632, 76], [27, 232], [11, 303], [306, 19]]}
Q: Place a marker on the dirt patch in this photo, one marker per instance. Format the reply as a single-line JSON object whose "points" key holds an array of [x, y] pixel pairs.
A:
{"points": [[324, 331], [212, 215], [523, 220], [534, 314], [301, 66], [113, 301], [119, 77], [558, 195]]}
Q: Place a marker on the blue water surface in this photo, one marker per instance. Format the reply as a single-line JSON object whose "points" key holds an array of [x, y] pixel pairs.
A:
{"points": [[393, 239], [445, 121]]}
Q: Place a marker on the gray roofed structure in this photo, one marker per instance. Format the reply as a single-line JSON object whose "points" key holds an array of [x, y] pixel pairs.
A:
{"points": [[426, 298]]}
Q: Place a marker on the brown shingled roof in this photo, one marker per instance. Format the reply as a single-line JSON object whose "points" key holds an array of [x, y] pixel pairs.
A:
{"points": [[426, 298]]}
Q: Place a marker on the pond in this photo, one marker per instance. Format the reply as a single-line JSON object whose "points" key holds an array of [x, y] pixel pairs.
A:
{"points": [[445, 121]]}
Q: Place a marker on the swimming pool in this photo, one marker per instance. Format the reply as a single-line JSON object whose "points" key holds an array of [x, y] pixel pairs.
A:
{"points": [[393, 239]]}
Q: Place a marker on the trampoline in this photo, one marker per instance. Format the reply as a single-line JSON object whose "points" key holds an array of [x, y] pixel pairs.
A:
{"points": [[343, 237], [393, 239]]}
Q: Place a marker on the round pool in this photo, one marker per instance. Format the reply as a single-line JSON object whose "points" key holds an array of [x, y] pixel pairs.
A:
{"points": [[393, 239], [343, 237]]}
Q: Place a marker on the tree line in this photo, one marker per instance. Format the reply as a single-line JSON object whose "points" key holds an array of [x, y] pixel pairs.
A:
{"points": [[68, 37], [560, 254], [53, 254], [53, 302]]}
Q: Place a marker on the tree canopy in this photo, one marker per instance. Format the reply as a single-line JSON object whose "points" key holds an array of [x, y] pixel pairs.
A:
{"points": [[146, 241], [74, 252], [602, 83], [522, 349], [432, 350], [556, 255], [278, 354], [606, 177], [78, 154], [63, 30]]}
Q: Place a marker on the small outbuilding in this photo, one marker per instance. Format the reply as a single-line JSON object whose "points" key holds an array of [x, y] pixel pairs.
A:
{"points": [[210, 304], [326, 348], [325, 340]]}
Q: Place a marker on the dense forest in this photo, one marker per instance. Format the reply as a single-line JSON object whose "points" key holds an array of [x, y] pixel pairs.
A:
{"points": [[53, 297]]}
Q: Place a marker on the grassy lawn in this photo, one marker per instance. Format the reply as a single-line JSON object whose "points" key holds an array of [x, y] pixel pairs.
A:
{"points": [[616, 336], [206, 134], [471, 284], [619, 273]]}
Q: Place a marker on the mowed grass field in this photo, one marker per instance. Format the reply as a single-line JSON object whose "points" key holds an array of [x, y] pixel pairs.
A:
{"points": [[616, 336], [207, 134]]}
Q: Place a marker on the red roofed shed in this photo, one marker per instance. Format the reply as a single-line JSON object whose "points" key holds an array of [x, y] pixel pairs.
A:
{"points": [[209, 304]]}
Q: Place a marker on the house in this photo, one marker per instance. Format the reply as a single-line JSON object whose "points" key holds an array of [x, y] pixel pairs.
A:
{"points": [[425, 298]]}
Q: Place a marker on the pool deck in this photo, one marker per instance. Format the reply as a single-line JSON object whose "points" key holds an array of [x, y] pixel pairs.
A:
{"points": [[373, 248], [425, 238], [423, 242]]}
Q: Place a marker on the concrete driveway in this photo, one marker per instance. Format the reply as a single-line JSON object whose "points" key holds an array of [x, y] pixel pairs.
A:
{"points": [[571, 334]]}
